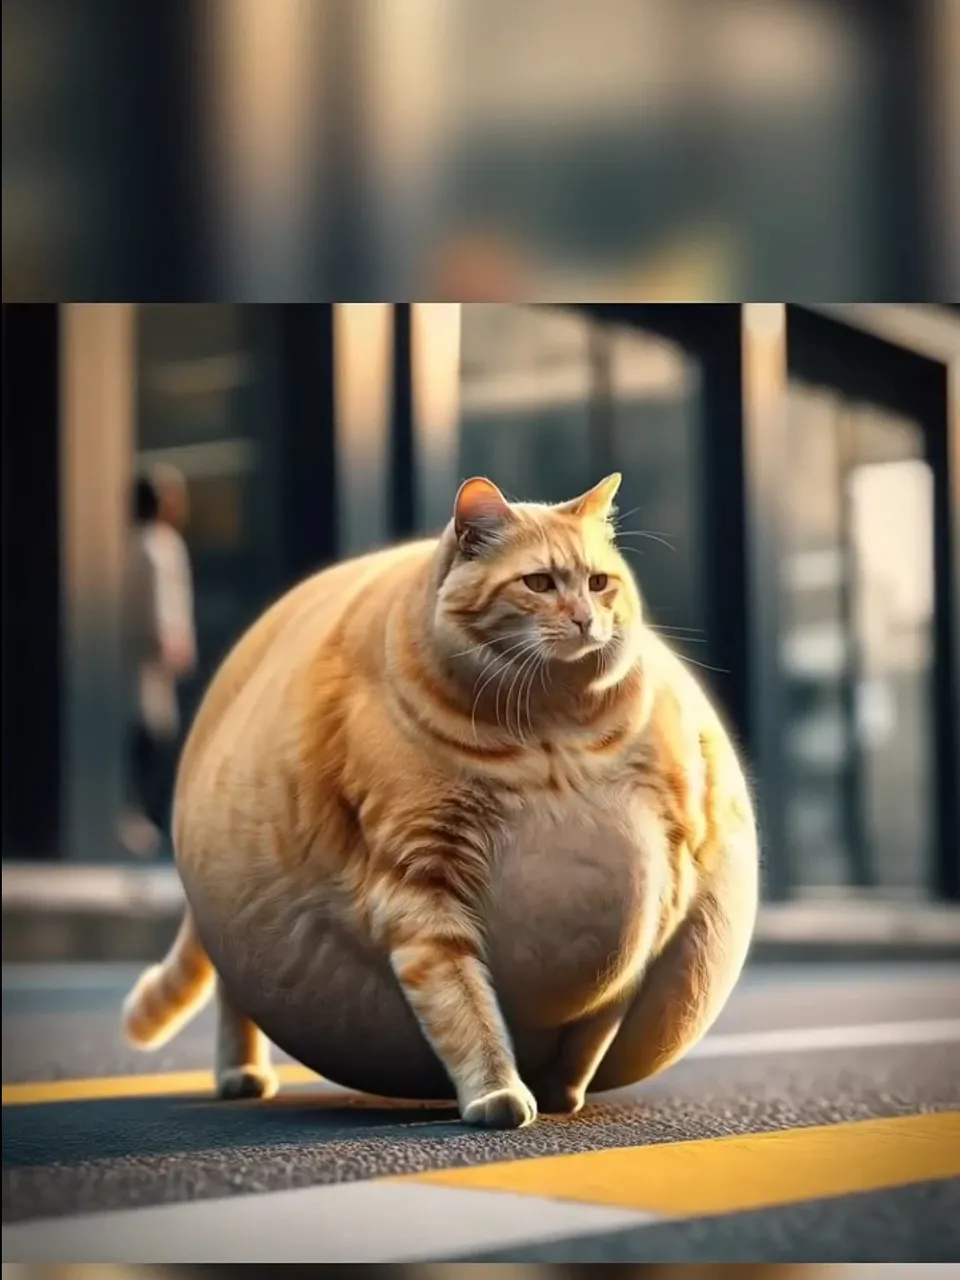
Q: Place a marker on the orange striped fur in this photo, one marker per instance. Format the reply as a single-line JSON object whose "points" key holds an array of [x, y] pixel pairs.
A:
{"points": [[376, 742]]}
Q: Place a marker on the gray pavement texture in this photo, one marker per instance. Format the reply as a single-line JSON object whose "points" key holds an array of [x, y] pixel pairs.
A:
{"points": [[79, 1157]]}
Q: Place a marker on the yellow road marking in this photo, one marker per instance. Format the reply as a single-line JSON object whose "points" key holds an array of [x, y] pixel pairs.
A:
{"points": [[727, 1175], [100, 1088]]}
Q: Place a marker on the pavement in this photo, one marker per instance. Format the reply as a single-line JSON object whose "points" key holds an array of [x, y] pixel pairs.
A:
{"points": [[818, 1122]]}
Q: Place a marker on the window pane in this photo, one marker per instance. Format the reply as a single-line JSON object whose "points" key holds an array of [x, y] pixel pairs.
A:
{"points": [[196, 373], [526, 384], [857, 647], [655, 389]]}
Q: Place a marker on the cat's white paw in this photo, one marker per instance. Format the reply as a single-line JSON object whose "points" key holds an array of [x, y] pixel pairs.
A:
{"points": [[247, 1082], [509, 1108]]}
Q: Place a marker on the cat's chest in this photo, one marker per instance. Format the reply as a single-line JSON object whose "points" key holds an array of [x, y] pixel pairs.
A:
{"points": [[564, 792], [561, 835]]}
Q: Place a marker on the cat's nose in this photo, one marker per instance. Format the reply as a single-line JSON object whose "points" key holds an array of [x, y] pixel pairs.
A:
{"points": [[582, 619]]}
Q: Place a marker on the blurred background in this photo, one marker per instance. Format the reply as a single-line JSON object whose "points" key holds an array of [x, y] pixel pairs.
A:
{"points": [[514, 1271], [791, 496], [447, 150], [790, 502]]}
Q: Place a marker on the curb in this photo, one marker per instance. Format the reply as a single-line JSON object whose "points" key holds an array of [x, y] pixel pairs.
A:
{"points": [[53, 935]]}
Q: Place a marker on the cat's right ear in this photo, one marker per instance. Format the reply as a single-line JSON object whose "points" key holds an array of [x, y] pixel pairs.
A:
{"points": [[480, 514]]}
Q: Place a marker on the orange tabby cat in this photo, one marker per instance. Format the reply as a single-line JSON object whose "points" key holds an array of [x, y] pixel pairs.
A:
{"points": [[451, 816]]}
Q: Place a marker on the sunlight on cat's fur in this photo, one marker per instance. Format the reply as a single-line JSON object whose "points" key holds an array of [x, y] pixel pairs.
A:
{"points": [[453, 819]]}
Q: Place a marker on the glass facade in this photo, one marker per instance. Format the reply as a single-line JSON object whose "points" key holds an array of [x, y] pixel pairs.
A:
{"points": [[198, 369], [806, 550], [527, 399], [552, 400], [654, 407], [857, 644]]}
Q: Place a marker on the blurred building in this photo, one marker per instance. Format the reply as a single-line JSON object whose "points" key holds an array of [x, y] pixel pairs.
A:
{"points": [[791, 504], [700, 149]]}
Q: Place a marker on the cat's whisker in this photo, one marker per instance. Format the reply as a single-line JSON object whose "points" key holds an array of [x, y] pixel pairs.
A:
{"points": [[485, 644], [545, 681], [656, 533], [522, 661], [723, 671], [496, 703], [506, 658], [538, 668], [517, 673], [493, 660], [465, 653], [681, 639], [529, 669], [622, 515], [646, 533]]}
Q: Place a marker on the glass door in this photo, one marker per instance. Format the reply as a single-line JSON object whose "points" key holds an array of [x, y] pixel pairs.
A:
{"points": [[858, 644]]}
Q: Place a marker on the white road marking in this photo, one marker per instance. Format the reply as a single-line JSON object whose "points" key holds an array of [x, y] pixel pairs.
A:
{"points": [[349, 1222], [811, 1039]]}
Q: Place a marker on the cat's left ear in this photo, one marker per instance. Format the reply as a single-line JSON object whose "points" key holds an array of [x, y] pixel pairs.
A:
{"points": [[480, 513], [596, 503]]}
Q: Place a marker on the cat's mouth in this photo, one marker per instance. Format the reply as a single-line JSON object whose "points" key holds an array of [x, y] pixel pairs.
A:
{"points": [[576, 648]]}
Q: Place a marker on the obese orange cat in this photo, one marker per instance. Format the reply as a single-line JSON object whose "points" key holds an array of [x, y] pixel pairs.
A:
{"points": [[453, 818]]}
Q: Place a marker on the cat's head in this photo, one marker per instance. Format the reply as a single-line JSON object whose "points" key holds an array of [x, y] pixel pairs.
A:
{"points": [[525, 577]]}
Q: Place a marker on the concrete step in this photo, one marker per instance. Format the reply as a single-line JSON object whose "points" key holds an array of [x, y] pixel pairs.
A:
{"points": [[131, 913]]}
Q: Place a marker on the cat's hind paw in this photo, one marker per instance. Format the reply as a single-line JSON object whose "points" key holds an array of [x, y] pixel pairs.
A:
{"points": [[246, 1082], [510, 1108], [560, 1099]]}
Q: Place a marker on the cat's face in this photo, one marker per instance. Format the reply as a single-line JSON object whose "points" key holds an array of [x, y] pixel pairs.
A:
{"points": [[538, 579]]}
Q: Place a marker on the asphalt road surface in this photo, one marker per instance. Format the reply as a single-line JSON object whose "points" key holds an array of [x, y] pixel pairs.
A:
{"points": [[818, 1122]]}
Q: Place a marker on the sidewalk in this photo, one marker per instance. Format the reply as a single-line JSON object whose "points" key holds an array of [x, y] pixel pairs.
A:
{"points": [[57, 913]]}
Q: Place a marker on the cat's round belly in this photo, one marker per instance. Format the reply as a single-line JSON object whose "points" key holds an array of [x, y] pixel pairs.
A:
{"points": [[569, 911]]}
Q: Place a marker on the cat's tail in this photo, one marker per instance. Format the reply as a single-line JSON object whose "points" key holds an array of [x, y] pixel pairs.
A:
{"points": [[167, 995]]}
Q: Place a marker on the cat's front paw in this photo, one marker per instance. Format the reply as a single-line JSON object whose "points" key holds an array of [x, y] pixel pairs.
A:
{"points": [[246, 1082], [509, 1108]]}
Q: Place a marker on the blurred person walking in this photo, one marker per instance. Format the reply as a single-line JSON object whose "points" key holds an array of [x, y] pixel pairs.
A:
{"points": [[162, 649], [174, 578], [142, 650]]}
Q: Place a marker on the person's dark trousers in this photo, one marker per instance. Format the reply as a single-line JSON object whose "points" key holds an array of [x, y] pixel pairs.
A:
{"points": [[148, 778]]}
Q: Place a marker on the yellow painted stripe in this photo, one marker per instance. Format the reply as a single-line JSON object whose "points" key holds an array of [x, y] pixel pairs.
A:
{"points": [[104, 1087], [727, 1175]]}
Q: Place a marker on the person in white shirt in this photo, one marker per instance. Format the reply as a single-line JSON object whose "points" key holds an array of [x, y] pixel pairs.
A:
{"points": [[158, 540], [167, 549]]}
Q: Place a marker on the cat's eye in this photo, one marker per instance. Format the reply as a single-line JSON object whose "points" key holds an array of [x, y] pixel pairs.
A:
{"points": [[539, 582], [598, 581]]}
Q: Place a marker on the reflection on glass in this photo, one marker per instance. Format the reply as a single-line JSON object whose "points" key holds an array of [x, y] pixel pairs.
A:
{"points": [[552, 400], [891, 529], [857, 578], [196, 369], [813, 645], [654, 410], [526, 389]]}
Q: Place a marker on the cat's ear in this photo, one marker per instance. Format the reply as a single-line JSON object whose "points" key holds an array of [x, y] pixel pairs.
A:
{"points": [[480, 513], [596, 503]]}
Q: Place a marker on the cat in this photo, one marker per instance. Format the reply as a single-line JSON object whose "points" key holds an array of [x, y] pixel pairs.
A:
{"points": [[461, 779]]}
